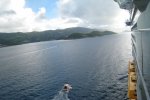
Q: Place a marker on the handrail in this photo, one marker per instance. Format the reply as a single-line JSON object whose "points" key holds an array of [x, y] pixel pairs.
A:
{"points": [[143, 83], [141, 75]]}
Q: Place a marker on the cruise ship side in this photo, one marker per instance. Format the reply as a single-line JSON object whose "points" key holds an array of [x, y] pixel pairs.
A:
{"points": [[140, 26]]}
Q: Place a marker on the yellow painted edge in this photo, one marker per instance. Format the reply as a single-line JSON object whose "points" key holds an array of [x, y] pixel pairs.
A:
{"points": [[132, 95]]}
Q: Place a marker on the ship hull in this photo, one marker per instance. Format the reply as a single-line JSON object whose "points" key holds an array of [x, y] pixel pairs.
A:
{"points": [[141, 53]]}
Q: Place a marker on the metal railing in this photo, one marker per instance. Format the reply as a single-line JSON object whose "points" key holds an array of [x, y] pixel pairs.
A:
{"points": [[143, 93]]}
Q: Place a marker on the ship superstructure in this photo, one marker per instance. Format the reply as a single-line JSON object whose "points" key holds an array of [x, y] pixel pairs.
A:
{"points": [[140, 26]]}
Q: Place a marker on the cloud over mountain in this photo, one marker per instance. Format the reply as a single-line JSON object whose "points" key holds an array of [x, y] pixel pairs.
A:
{"points": [[15, 16]]}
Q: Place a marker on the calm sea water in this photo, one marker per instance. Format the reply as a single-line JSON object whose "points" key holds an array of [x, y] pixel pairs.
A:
{"points": [[95, 67]]}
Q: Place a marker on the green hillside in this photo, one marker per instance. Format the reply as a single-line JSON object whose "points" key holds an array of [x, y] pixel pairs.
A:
{"points": [[8, 39]]}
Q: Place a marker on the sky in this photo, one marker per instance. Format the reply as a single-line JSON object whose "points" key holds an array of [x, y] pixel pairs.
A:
{"points": [[40, 15]]}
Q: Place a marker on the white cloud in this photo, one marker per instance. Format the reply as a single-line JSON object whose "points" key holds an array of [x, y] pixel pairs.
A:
{"points": [[14, 16], [41, 13], [94, 13]]}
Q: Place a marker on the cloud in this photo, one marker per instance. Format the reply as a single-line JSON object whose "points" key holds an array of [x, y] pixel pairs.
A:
{"points": [[7, 12], [94, 13], [16, 17], [41, 13]]}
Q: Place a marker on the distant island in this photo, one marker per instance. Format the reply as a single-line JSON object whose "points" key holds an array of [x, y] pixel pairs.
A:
{"points": [[91, 34], [9, 39]]}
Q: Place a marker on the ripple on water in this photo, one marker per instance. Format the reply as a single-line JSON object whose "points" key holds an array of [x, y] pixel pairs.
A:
{"points": [[92, 66]]}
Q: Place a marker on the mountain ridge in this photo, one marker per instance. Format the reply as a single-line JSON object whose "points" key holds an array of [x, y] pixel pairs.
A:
{"points": [[16, 38]]}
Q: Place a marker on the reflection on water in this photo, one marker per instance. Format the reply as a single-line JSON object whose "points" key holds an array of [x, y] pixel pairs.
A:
{"points": [[95, 67]]}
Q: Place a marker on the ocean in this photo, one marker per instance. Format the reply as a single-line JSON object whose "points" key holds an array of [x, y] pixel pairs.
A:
{"points": [[96, 68]]}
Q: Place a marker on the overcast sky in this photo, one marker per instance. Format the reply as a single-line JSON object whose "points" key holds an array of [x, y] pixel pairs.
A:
{"points": [[39, 15]]}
